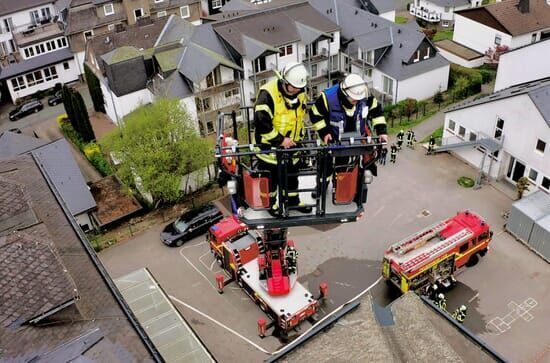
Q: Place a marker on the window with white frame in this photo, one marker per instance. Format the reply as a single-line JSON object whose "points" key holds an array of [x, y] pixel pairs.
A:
{"points": [[216, 4], [368, 72], [184, 11], [18, 83], [545, 183], [533, 175], [88, 34], [499, 127], [34, 78], [451, 126], [160, 14], [111, 27], [66, 65], [29, 52], [260, 65], [334, 62], [232, 92], [498, 39], [533, 38], [286, 50], [314, 69], [388, 85], [445, 23], [109, 9], [428, 50], [51, 73], [446, 9], [369, 57], [541, 146], [417, 56], [138, 13], [62, 42], [461, 131], [473, 136]]}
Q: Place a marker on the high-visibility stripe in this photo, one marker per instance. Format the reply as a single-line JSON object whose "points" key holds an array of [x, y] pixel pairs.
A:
{"points": [[380, 120], [319, 125], [266, 138], [292, 194], [315, 111], [374, 104], [263, 108]]}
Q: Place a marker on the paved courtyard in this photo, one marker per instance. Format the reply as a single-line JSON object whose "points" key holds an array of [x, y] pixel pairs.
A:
{"points": [[507, 293]]}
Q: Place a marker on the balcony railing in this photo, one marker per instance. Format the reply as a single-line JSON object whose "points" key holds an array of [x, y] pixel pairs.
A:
{"points": [[322, 54], [26, 35], [425, 14]]}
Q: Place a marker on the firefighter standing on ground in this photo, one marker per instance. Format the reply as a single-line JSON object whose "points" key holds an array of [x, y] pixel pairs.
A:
{"points": [[431, 145], [393, 153], [383, 155], [278, 113], [460, 314], [400, 137]]}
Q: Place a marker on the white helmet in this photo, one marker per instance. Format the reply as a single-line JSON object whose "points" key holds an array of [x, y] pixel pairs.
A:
{"points": [[295, 74], [354, 87]]}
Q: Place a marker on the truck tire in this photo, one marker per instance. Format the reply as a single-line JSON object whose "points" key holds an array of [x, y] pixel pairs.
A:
{"points": [[473, 260], [483, 252]]}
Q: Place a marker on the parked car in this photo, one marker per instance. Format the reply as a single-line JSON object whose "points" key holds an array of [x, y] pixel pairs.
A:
{"points": [[56, 99], [26, 109], [191, 224], [15, 130]]}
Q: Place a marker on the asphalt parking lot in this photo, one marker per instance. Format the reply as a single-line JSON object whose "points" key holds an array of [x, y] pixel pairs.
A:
{"points": [[507, 292]]}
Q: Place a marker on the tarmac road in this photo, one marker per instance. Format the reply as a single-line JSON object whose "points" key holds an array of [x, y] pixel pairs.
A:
{"points": [[416, 192]]}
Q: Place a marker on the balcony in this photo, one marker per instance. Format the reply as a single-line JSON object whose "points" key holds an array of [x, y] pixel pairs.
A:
{"points": [[29, 34], [319, 56], [321, 76], [219, 88], [425, 14], [268, 72]]}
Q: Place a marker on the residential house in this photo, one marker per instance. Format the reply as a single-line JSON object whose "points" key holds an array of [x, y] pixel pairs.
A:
{"points": [[490, 30], [34, 52], [86, 18], [517, 118], [382, 8], [214, 6], [58, 303], [59, 166], [440, 12], [397, 61], [531, 60]]}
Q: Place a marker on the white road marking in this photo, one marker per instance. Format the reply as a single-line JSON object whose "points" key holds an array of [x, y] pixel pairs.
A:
{"points": [[345, 284], [200, 260], [473, 298], [295, 341], [503, 324], [378, 211], [212, 264], [196, 269], [220, 324]]}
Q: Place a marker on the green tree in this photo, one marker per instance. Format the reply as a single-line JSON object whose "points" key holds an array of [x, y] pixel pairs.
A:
{"points": [[438, 98], [66, 94], [95, 89], [159, 144], [461, 87], [409, 107], [84, 127]]}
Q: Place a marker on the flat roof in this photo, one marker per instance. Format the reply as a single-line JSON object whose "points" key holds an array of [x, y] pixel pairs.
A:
{"points": [[458, 49]]}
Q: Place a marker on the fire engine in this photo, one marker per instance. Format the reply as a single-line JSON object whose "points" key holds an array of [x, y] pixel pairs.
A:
{"points": [[252, 246], [434, 254]]}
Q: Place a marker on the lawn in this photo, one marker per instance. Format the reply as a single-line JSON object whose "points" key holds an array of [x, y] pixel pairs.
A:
{"points": [[401, 19], [442, 35]]}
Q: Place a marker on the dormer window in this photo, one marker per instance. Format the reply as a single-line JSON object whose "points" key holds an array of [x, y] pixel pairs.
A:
{"points": [[417, 57], [427, 53]]}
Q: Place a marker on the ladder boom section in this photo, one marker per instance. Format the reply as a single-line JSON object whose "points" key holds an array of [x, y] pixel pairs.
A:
{"points": [[417, 239], [437, 250]]}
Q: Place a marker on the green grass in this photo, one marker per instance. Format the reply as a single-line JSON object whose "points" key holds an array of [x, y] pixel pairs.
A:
{"points": [[442, 35], [401, 20], [437, 134], [465, 182]]}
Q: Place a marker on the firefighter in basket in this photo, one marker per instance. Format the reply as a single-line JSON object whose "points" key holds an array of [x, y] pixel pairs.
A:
{"points": [[278, 114], [347, 108]]}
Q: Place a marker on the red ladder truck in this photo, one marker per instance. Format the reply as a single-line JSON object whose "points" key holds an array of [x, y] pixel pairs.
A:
{"points": [[252, 247], [434, 254]]}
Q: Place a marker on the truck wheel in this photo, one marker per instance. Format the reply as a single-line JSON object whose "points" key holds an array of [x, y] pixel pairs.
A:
{"points": [[483, 252], [473, 260]]}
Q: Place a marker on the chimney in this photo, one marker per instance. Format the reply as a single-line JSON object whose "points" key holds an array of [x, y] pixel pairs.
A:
{"points": [[523, 6]]}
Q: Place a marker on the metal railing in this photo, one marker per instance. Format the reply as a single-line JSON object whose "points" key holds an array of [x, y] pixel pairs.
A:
{"points": [[425, 14]]}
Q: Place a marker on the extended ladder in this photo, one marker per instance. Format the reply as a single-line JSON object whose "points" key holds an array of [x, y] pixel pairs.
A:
{"points": [[418, 238], [459, 237]]}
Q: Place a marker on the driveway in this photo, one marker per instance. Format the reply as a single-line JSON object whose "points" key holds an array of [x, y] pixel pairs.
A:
{"points": [[507, 292]]}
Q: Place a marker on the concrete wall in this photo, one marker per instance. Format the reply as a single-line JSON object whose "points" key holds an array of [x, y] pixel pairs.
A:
{"points": [[523, 126], [424, 85], [460, 61], [531, 60], [477, 36], [64, 76]]}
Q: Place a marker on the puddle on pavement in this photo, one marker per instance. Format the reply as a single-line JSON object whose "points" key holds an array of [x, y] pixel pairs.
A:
{"points": [[345, 277], [462, 294]]}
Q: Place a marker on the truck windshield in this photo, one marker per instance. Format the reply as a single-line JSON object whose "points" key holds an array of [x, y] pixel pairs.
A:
{"points": [[180, 225]]}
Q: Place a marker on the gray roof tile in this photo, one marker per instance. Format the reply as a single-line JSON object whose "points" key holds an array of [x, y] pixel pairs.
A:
{"points": [[12, 144], [36, 62], [58, 162]]}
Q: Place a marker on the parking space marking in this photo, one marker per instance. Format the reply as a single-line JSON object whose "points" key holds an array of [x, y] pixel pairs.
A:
{"points": [[473, 298], [522, 310], [196, 269]]}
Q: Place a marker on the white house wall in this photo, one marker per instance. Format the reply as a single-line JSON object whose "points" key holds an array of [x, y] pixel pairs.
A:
{"points": [[118, 107], [390, 15], [64, 76], [22, 19], [83, 220], [424, 85], [460, 61], [79, 59], [523, 65], [477, 36], [523, 126]]}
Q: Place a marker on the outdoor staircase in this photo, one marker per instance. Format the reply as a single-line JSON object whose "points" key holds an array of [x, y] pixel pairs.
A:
{"points": [[489, 144]]}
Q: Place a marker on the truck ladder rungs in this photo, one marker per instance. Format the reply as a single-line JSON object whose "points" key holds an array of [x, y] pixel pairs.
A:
{"points": [[414, 240]]}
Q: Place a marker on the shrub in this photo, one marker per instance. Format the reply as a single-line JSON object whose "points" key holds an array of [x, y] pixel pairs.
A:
{"points": [[465, 182], [63, 118], [100, 163], [91, 149], [487, 75]]}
